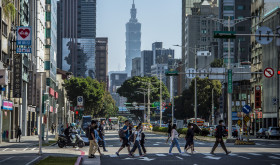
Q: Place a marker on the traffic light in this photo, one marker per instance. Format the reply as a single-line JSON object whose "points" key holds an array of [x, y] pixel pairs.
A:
{"points": [[258, 100], [77, 112]]}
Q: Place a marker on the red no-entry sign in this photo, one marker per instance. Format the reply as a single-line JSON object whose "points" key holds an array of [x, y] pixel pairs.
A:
{"points": [[268, 72]]}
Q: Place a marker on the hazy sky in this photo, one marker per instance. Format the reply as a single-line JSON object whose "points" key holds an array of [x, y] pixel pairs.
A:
{"points": [[160, 19]]}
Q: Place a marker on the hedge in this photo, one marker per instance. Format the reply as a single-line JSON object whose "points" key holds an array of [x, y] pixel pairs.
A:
{"points": [[203, 132]]}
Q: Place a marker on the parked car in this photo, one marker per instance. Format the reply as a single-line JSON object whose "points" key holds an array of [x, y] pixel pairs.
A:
{"points": [[272, 132], [261, 133]]}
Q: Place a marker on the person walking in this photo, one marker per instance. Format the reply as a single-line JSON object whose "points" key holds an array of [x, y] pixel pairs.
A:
{"points": [[125, 142], [169, 131], [136, 142], [142, 139], [97, 139], [52, 127], [93, 146], [102, 135], [18, 134], [189, 139], [174, 138], [219, 138]]}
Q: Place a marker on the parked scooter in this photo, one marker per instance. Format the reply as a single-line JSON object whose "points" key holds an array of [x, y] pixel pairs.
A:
{"points": [[74, 140]]}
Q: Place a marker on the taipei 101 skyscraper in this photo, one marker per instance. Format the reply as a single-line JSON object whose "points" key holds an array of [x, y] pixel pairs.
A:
{"points": [[133, 40]]}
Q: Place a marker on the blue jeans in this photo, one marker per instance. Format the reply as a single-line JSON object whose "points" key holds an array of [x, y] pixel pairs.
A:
{"points": [[104, 143], [175, 142]]}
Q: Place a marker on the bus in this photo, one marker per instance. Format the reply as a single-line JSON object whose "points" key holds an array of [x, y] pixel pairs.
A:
{"points": [[200, 122]]}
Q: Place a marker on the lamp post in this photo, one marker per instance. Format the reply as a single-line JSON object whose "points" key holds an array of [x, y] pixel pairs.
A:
{"points": [[47, 113], [229, 23]]}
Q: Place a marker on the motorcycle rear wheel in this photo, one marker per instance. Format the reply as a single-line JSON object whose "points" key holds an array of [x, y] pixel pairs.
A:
{"points": [[81, 144]]}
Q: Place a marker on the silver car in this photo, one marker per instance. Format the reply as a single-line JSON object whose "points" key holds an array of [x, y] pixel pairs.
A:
{"points": [[272, 132]]}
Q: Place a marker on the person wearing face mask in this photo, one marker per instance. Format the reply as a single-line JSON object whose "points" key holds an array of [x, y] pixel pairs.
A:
{"points": [[219, 138]]}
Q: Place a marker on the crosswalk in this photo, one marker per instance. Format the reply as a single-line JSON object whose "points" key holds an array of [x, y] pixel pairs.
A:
{"points": [[18, 149], [241, 156]]}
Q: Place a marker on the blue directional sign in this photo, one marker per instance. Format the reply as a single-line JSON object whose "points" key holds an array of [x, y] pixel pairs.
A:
{"points": [[246, 109]]}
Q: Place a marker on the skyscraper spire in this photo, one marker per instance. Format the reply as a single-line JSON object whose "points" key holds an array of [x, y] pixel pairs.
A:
{"points": [[133, 12]]}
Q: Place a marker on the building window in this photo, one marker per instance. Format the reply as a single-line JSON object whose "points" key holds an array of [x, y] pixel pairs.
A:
{"points": [[203, 22], [240, 7], [4, 29], [203, 39], [203, 31], [226, 17], [227, 8], [240, 17], [241, 28], [117, 77]]}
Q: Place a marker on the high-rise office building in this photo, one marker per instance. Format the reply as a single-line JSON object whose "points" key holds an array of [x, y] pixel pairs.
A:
{"points": [[146, 62], [136, 67], [239, 47], [160, 54], [101, 59], [77, 32], [133, 40]]}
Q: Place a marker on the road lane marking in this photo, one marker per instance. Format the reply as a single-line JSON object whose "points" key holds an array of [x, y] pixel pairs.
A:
{"points": [[155, 144], [113, 156], [14, 150], [6, 159], [5, 149], [243, 157], [32, 160], [25, 149], [145, 159], [179, 157], [207, 154], [254, 154], [160, 155], [277, 154], [212, 157], [33, 149], [274, 157]]}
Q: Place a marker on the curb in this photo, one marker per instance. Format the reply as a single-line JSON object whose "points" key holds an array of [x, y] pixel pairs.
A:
{"points": [[79, 160]]}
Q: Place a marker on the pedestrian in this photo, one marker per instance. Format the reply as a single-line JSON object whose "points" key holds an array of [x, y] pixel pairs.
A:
{"points": [[61, 129], [18, 134], [169, 130], [136, 142], [97, 139], [52, 127], [130, 128], [189, 139], [93, 146], [125, 142], [142, 139], [174, 138], [219, 138], [102, 135]]}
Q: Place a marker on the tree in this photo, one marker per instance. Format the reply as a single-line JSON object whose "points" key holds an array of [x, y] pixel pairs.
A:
{"points": [[131, 87], [109, 108], [217, 63], [91, 90], [184, 104]]}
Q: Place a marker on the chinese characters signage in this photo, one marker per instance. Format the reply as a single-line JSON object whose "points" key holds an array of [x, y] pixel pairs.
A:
{"points": [[17, 76], [24, 35], [7, 105]]}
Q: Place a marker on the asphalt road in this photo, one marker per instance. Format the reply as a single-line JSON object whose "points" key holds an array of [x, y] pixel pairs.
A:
{"points": [[264, 152]]}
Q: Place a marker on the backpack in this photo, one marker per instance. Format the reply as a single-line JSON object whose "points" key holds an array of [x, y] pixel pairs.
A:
{"points": [[122, 133]]}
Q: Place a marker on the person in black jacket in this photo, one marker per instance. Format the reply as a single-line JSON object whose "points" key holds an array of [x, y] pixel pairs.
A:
{"points": [[18, 134], [169, 130], [142, 140], [102, 135], [189, 139], [219, 138]]}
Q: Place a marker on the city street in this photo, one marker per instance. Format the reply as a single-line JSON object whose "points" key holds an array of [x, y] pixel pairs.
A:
{"points": [[264, 152]]}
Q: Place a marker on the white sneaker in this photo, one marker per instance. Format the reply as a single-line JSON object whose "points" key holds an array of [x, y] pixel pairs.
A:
{"points": [[194, 151], [171, 154]]}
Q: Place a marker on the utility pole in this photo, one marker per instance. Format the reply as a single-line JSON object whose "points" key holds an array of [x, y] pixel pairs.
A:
{"points": [[195, 87], [149, 85], [172, 98], [213, 119], [229, 92], [144, 117], [278, 122], [47, 109], [160, 102]]}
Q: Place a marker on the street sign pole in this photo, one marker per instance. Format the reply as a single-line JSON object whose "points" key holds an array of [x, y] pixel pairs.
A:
{"points": [[195, 87], [229, 93], [160, 105]]}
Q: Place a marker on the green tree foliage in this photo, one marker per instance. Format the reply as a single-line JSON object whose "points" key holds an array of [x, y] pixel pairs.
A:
{"points": [[91, 90], [130, 89], [109, 108], [184, 104], [217, 63], [8, 8], [122, 119]]}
